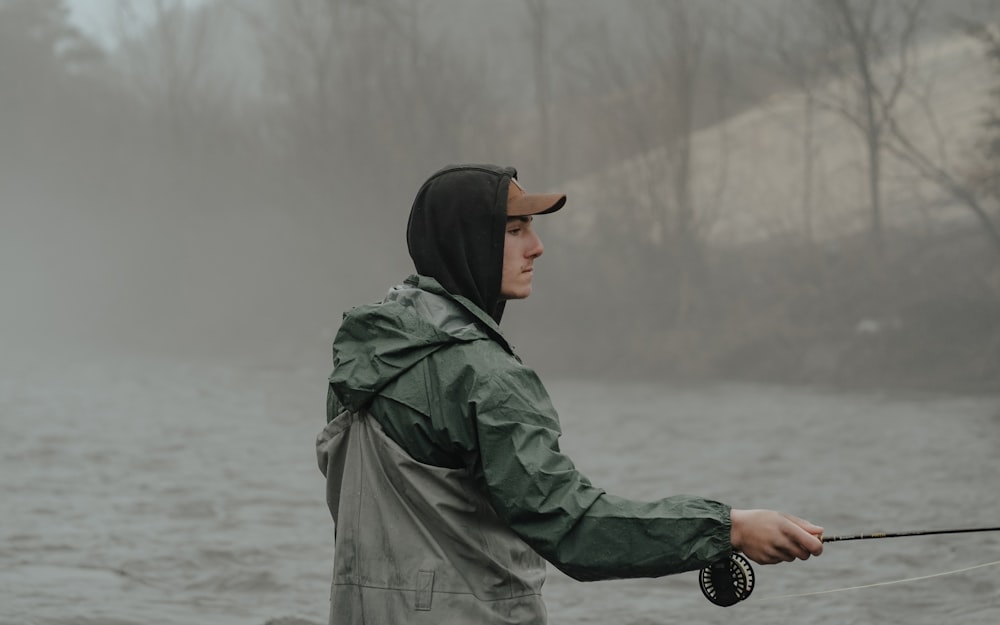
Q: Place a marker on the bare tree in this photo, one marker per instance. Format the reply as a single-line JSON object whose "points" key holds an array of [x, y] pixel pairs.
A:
{"points": [[539, 31], [299, 66], [987, 180], [661, 94], [170, 60], [967, 188], [49, 95], [363, 88], [799, 57], [870, 45]]}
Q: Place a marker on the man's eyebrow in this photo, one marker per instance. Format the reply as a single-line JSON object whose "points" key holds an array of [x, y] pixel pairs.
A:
{"points": [[522, 218]]}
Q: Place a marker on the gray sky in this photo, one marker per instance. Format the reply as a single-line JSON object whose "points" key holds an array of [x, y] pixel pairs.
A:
{"points": [[97, 17]]}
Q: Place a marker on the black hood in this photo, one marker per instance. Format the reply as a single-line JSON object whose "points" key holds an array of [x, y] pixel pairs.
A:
{"points": [[456, 231]]}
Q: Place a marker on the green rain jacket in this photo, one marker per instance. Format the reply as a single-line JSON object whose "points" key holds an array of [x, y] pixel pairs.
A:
{"points": [[444, 383]]}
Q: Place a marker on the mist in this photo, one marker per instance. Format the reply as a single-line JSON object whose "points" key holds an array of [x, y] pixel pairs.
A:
{"points": [[222, 182], [776, 282]]}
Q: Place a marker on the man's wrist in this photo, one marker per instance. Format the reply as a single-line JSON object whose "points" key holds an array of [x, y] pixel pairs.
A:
{"points": [[736, 519]]}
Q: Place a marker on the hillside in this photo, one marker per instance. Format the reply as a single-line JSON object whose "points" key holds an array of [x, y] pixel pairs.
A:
{"points": [[749, 178], [789, 296]]}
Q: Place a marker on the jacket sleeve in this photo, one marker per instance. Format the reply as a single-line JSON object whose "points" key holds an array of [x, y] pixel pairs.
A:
{"points": [[585, 532]]}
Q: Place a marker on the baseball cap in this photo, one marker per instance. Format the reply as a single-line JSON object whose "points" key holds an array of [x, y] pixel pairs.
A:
{"points": [[520, 203]]}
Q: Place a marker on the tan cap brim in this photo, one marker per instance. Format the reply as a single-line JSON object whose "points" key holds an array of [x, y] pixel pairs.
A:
{"points": [[522, 204]]}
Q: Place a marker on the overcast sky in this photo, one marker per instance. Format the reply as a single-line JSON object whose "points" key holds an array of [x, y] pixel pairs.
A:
{"points": [[97, 17]]}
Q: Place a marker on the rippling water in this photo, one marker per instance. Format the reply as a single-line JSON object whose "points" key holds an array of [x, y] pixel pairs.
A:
{"points": [[163, 492]]}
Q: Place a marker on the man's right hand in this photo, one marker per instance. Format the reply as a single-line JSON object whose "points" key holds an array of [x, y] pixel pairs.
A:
{"points": [[769, 537]]}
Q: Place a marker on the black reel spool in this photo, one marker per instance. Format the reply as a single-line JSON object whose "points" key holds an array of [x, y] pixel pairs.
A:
{"points": [[727, 582]]}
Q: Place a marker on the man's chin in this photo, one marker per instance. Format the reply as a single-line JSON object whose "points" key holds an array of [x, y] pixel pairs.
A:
{"points": [[519, 294]]}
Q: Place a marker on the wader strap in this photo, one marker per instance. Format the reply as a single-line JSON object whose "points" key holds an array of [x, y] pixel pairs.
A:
{"points": [[425, 588]]}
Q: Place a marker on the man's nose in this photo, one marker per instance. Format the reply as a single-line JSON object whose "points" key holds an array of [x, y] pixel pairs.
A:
{"points": [[536, 249]]}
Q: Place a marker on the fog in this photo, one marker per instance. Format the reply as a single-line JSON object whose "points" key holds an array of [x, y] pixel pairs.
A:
{"points": [[223, 181], [776, 282]]}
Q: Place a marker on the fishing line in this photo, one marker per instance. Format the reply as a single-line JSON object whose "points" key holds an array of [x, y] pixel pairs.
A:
{"points": [[731, 580], [877, 584]]}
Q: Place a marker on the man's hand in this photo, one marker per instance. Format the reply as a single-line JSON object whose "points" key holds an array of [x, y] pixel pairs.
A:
{"points": [[769, 537]]}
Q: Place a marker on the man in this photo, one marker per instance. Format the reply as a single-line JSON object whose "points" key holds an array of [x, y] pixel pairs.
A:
{"points": [[441, 453]]}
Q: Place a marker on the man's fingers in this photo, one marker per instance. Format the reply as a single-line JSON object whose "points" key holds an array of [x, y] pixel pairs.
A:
{"points": [[808, 542], [770, 537], [812, 528], [780, 554]]}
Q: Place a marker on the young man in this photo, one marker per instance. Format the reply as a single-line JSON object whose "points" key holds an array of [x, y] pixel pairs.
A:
{"points": [[441, 452]]}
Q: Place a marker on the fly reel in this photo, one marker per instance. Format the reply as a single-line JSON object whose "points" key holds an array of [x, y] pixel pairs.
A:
{"points": [[727, 582]]}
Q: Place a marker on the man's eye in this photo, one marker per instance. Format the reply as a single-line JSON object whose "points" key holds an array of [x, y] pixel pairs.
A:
{"points": [[513, 231]]}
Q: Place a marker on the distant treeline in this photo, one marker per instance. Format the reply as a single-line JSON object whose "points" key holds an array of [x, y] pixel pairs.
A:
{"points": [[224, 180]]}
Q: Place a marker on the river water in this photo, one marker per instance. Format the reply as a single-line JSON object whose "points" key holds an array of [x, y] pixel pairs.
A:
{"points": [[136, 491]]}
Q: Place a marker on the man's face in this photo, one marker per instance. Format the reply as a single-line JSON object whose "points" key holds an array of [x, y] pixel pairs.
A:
{"points": [[520, 249]]}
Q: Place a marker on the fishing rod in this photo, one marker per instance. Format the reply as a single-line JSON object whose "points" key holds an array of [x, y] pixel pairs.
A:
{"points": [[728, 581], [967, 530]]}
